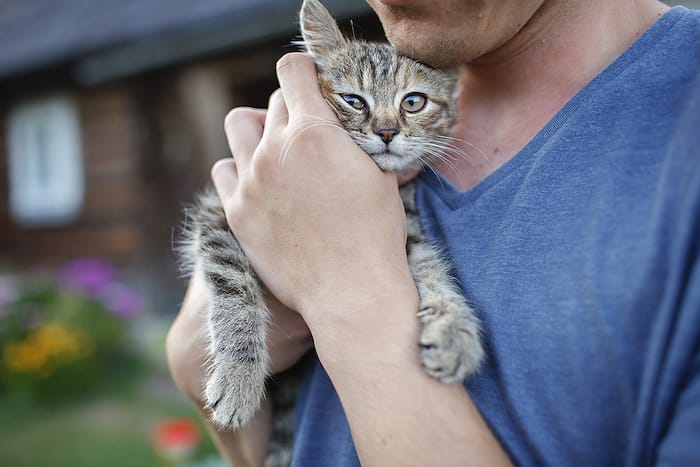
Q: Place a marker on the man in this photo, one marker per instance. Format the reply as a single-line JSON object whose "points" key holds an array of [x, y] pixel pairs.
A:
{"points": [[575, 236]]}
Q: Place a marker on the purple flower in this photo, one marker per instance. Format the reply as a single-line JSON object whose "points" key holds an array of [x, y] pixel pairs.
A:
{"points": [[121, 300], [87, 275]]}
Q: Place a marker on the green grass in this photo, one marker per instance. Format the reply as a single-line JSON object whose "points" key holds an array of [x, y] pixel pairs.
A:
{"points": [[108, 430]]}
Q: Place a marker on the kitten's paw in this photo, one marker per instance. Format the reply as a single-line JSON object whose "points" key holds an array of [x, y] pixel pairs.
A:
{"points": [[450, 348], [233, 393]]}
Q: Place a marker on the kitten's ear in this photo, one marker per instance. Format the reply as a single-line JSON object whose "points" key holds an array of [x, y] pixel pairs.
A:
{"points": [[319, 30]]}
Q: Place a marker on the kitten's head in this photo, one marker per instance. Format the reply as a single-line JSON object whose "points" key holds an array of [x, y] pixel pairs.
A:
{"points": [[397, 110]]}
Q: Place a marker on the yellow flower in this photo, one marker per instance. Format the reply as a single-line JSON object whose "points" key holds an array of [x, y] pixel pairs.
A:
{"points": [[47, 348]]}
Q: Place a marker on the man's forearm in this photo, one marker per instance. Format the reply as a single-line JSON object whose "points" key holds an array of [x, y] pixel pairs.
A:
{"points": [[398, 415]]}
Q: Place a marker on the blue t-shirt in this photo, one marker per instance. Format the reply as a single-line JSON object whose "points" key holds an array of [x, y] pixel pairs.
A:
{"points": [[580, 255]]}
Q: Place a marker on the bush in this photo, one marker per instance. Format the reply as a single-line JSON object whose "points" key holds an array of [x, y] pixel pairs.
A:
{"points": [[63, 335]]}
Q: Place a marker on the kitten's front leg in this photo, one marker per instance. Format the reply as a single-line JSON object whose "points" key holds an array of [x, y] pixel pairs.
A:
{"points": [[450, 346], [237, 320], [238, 350]]}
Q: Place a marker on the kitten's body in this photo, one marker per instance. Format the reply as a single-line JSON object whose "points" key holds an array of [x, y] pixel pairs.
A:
{"points": [[400, 113]]}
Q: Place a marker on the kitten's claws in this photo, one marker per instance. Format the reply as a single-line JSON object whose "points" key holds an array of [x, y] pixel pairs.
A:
{"points": [[425, 312], [233, 418], [234, 392], [449, 341]]}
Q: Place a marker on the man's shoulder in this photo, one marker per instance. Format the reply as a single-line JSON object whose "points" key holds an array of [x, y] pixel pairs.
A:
{"points": [[685, 20], [691, 15], [668, 53]]}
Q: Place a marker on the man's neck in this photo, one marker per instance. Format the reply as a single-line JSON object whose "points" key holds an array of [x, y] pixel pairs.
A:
{"points": [[510, 94]]}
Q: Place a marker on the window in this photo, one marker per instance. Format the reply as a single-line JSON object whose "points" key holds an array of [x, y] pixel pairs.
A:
{"points": [[45, 162]]}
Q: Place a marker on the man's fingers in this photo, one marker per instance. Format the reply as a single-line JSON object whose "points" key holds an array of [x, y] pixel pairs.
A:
{"points": [[244, 129], [225, 177], [296, 74], [277, 114]]}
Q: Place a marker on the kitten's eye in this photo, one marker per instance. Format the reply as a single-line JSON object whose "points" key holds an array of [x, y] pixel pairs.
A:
{"points": [[354, 101], [414, 102]]}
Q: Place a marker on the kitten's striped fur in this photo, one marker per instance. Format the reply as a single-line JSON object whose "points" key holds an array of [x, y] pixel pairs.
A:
{"points": [[397, 140]]}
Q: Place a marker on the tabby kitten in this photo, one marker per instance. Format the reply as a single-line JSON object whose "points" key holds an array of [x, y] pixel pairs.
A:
{"points": [[399, 112]]}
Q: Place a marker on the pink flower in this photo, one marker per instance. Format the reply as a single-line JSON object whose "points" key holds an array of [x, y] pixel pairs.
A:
{"points": [[121, 300], [87, 275], [96, 278]]}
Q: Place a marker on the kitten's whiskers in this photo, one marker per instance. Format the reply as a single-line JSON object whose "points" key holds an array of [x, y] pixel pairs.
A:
{"points": [[447, 150], [438, 155], [450, 138]]}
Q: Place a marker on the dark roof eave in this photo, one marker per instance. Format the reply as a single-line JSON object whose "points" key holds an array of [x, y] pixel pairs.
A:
{"points": [[179, 46]]}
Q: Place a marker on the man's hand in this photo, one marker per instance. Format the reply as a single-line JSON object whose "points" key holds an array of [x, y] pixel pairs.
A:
{"points": [[314, 214]]}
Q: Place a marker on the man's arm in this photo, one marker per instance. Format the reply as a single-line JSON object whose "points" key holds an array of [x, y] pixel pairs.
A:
{"points": [[398, 415]]}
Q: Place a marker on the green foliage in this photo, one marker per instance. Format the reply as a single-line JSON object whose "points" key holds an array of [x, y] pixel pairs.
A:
{"points": [[75, 384], [62, 337]]}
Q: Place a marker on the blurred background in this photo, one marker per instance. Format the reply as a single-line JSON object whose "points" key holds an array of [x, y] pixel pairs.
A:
{"points": [[111, 115]]}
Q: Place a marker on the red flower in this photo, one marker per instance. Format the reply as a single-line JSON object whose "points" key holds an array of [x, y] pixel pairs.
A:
{"points": [[177, 439]]}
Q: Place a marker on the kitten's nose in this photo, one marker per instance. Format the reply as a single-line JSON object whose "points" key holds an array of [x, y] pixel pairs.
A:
{"points": [[387, 134]]}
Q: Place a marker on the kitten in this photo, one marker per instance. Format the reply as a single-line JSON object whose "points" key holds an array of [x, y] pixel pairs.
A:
{"points": [[399, 112]]}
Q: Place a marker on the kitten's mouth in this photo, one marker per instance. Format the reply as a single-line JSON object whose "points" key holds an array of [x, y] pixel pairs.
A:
{"points": [[391, 162], [384, 155]]}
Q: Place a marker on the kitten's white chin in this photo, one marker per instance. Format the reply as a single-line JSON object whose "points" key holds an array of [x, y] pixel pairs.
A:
{"points": [[390, 162]]}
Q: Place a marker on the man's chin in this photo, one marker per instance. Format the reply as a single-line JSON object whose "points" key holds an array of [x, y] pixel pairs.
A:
{"points": [[441, 55]]}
